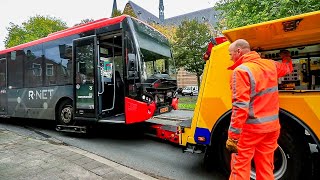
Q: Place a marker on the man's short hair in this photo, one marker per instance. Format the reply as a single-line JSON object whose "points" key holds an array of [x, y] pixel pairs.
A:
{"points": [[241, 43]]}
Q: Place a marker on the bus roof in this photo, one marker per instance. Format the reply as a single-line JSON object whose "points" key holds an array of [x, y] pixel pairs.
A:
{"points": [[69, 31], [293, 31]]}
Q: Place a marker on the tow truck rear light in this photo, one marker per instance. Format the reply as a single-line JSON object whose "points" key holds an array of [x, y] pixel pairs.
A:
{"points": [[201, 139]]}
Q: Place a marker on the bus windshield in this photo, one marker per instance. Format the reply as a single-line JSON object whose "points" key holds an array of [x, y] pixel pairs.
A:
{"points": [[156, 66], [155, 52]]}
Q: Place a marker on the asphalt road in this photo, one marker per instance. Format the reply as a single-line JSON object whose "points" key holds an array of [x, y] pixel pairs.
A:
{"points": [[125, 146]]}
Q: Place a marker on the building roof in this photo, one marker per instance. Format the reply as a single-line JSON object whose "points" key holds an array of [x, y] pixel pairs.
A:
{"points": [[205, 15], [114, 8], [143, 14]]}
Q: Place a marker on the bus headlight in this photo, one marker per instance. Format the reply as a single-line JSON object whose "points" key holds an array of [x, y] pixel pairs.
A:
{"points": [[146, 98]]}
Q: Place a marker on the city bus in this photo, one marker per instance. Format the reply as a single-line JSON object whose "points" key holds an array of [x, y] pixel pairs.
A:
{"points": [[112, 70]]}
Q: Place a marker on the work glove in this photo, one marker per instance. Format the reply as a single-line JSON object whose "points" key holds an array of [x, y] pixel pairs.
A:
{"points": [[231, 145]]}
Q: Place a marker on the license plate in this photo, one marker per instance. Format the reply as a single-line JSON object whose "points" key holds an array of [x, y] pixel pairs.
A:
{"points": [[163, 110]]}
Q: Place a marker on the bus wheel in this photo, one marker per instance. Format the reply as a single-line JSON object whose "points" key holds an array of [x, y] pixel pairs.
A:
{"points": [[291, 159], [65, 113]]}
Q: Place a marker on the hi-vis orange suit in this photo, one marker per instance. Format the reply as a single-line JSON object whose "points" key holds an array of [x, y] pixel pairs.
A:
{"points": [[255, 114]]}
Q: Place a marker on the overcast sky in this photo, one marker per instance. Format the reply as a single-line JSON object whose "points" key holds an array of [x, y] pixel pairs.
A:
{"points": [[73, 11]]}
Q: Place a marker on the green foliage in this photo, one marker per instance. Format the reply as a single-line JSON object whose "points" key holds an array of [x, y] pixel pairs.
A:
{"points": [[116, 13], [237, 13], [129, 11], [36, 27], [191, 42], [188, 103], [187, 106], [170, 33]]}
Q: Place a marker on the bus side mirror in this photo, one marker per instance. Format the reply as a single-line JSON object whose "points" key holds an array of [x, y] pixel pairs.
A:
{"points": [[132, 66], [131, 62]]}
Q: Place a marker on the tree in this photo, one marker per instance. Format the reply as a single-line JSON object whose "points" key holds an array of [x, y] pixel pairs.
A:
{"points": [[237, 13], [129, 11], [116, 13], [168, 31], [191, 43], [36, 27]]}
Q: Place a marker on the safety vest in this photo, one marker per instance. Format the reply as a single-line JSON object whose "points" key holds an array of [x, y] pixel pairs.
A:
{"points": [[254, 86]]}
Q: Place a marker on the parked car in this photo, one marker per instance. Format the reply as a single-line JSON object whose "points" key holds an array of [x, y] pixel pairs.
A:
{"points": [[190, 90]]}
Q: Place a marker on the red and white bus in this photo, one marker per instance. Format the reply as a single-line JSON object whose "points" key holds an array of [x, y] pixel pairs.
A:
{"points": [[116, 70]]}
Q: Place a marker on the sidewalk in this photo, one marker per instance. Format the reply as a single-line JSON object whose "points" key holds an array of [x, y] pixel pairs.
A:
{"points": [[24, 157]]}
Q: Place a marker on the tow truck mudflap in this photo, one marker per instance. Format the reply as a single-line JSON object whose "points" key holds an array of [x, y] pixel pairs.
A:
{"points": [[72, 129], [194, 148]]}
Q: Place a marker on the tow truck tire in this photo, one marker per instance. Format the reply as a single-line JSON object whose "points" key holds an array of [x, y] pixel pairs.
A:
{"points": [[292, 160], [65, 113]]}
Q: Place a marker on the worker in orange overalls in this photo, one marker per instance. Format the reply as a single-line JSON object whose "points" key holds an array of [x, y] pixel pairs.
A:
{"points": [[254, 128]]}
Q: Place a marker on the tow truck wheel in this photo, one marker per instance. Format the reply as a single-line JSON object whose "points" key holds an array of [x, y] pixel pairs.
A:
{"points": [[65, 113], [291, 159]]}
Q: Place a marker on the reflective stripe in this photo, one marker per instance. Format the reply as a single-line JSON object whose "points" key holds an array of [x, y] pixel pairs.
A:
{"points": [[252, 80], [234, 156], [252, 87], [268, 90], [262, 120], [234, 83], [234, 130], [241, 104]]}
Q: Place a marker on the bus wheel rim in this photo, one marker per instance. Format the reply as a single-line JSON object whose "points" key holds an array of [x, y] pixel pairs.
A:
{"points": [[66, 115]]}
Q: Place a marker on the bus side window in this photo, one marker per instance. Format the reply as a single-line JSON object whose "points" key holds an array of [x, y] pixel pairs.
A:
{"points": [[33, 66], [15, 69]]}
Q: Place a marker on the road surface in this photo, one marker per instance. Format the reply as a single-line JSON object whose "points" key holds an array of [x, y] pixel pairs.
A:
{"points": [[125, 146]]}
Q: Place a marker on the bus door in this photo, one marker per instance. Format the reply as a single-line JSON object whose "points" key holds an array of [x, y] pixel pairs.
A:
{"points": [[3, 87], [85, 84], [111, 88]]}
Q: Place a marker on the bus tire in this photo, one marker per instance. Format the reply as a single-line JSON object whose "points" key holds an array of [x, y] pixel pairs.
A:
{"points": [[65, 113], [291, 158]]}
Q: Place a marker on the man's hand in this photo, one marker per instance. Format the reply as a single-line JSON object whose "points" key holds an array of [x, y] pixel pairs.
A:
{"points": [[231, 145], [285, 55]]}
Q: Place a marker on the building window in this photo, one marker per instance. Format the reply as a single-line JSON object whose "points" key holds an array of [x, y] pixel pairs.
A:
{"points": [[49, 70], [36, 68]]}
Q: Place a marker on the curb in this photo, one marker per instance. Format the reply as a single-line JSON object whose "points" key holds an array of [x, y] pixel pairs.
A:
{"points": [[110, 163]]}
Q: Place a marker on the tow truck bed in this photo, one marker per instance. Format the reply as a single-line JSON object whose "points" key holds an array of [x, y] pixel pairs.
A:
{"points": [[165, 126]]}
